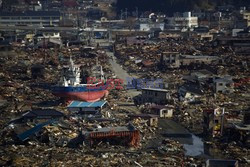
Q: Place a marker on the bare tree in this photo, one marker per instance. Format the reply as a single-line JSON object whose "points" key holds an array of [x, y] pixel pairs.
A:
{"points": [[130, 22]]}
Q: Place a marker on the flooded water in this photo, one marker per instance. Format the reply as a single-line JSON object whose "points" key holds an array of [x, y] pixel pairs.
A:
{"points": [[195, 149]]}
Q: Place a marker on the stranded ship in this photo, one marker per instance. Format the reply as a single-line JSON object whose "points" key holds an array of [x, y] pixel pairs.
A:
{"points": [[70, 86]]}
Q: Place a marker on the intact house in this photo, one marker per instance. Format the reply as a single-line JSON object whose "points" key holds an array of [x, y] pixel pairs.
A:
{"points": [[152, 95], [189, 92], [223, 85], [94, 109]]}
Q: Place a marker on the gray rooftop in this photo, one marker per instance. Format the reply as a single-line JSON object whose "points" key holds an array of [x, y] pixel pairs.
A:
{"points": [[154, 89], [130, 127]]}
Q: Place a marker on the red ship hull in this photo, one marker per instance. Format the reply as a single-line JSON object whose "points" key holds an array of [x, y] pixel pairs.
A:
{"points": [[83, 96]]}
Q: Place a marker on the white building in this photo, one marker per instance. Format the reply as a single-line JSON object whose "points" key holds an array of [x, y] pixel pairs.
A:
{"points": [[186, 21], [148, 26]]}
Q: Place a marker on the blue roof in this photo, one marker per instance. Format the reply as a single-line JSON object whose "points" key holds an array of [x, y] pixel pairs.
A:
{"points": [[80, 104], [23, 136]]}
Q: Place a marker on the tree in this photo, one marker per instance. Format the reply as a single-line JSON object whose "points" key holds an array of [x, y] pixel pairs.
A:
{"points": [[130, 22]]}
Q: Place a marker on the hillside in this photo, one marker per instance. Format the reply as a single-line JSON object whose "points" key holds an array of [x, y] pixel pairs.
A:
{"points": [[171, 6]]}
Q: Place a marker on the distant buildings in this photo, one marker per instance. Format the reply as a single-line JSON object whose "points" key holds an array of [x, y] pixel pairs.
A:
{"points": [[40, 18], [149, 26], [185, 21], [175, 60]]}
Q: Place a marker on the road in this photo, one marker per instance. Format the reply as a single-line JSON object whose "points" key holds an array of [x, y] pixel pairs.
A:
{"points": [[117, 69], [121, 73]]}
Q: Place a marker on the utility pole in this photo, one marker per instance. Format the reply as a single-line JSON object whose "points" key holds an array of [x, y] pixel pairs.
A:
{"points": [[121, 14], [136, 12], [126, 13], [109, 34], [220, 20]]}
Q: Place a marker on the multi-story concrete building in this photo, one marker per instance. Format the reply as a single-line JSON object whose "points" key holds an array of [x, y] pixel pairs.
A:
{"points": [[175, 60], [40, 18], [223, 85]]}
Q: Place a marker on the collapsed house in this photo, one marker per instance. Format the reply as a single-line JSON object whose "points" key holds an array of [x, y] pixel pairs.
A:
{"points": [[243, 128], [152, 120], [189, 92]]}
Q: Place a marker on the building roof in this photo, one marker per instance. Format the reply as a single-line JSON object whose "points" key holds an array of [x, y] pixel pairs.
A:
{"points": [[193, 88], [201, 29], [155, 29], [233, 39], [242, 127], [223, 80], [25, 135], [77, 104], [143, 115], [199, 57], [159, 107], [4, 43], [31, 13], [154, 89], [43, 112], [116, 129], [130, 127], [147, 63], [221, 163]]}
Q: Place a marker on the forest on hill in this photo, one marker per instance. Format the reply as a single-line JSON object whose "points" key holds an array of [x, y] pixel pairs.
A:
{"points": [[171, 6]]}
